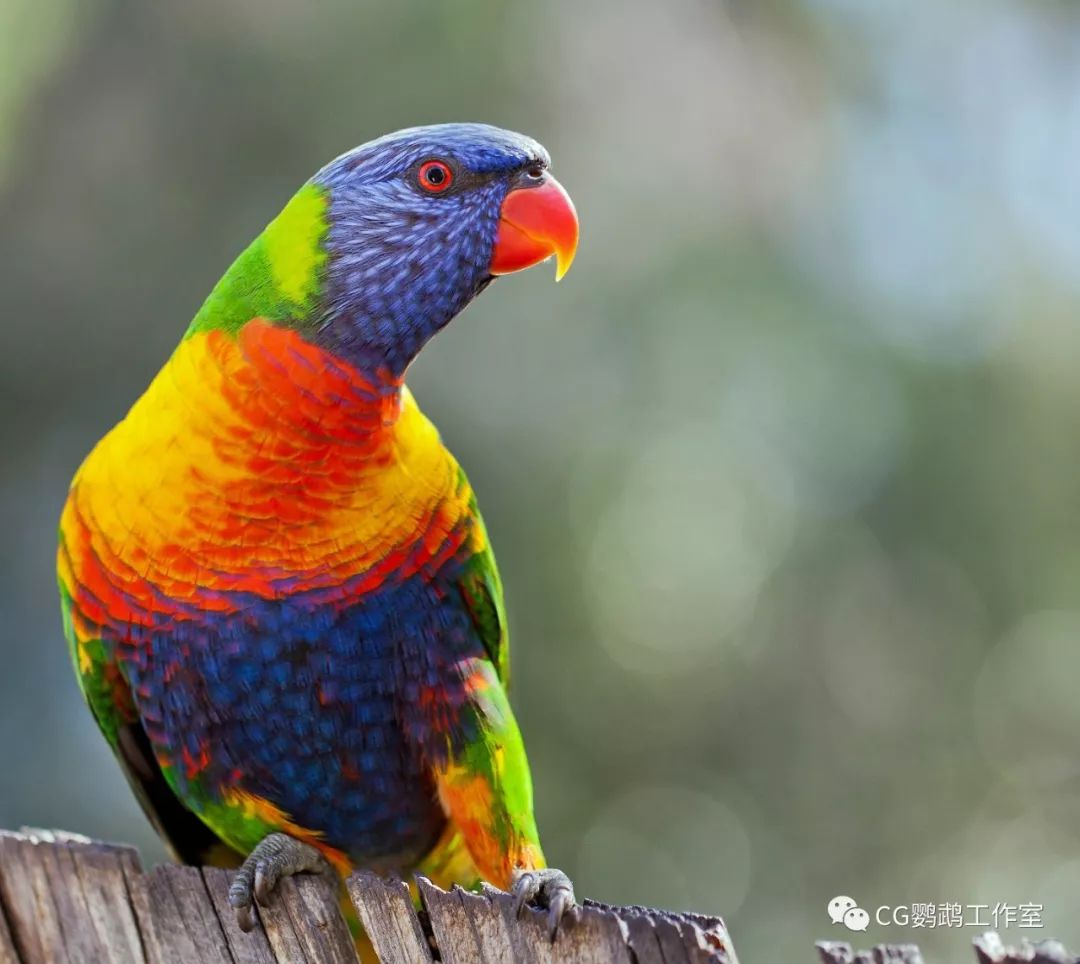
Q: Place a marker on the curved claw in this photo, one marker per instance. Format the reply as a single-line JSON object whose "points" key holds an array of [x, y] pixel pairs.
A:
{"points": [[277, 855], [245, 918], [549, 888], [559, 904], [265, 881], [525, 889], [240, 897]]}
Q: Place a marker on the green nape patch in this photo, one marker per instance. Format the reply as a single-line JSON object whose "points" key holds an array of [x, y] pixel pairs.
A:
{"points": [[294, 244], [278, 275]]}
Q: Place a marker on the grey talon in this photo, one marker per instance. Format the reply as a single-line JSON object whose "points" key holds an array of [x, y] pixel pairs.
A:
{"points": [[245, 919], [549, 888], [277, 855]]}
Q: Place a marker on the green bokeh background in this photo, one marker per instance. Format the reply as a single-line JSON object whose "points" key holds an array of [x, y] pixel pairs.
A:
{"points": [[782, 478]]}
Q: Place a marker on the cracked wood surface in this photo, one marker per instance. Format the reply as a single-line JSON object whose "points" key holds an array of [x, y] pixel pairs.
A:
{"points": [[70, 900], [66, 899]]}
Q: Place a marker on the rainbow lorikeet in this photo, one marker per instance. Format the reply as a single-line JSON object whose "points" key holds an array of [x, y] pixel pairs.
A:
{"points": [[279, 595]]}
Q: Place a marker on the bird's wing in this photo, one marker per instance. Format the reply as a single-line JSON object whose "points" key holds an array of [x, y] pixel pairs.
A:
{"points": [[484, 784], [110, 701], [481, 588], [189, 839]]}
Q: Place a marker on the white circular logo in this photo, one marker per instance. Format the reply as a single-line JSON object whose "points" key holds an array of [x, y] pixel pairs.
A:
{"points": [[844, 910], [856, 919], [838, 907]]}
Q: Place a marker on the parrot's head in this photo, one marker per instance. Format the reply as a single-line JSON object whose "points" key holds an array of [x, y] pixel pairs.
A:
{"points": [[420, 221]]}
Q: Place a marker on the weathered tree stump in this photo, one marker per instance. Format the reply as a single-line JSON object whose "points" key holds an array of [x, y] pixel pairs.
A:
{"points": [[838, 952], [989, 949], [70, 900], [67, 899]]}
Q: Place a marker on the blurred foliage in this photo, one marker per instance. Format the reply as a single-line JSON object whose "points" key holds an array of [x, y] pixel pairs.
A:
{"points": [[782, 478]]}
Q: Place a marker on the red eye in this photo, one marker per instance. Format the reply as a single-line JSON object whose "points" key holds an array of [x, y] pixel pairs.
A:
{"points": [[435, 176]]}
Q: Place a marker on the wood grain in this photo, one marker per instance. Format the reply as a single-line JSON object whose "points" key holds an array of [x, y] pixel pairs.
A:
{"points": [[253, 948], [100, 872], [387, 913], [68, 900], [990, 949], [8, 954], [311, 901], [28, 902], [184, 921]]}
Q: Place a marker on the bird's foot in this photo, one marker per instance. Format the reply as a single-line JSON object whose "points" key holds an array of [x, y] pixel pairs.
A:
{"points": [[277, 855], [549, 888]]}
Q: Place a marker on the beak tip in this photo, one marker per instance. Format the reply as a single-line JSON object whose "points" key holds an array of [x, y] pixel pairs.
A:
{"points": [[564, 258], [534, 224]]}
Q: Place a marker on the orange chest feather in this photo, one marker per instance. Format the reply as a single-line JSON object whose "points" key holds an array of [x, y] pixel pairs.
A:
{"points": [[261, 462]]}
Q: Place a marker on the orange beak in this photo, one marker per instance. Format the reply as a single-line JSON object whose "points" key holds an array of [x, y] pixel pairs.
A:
{"points": [[534, 224]]}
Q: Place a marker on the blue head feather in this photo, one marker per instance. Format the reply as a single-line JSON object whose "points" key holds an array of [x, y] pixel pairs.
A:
{"points": [[403, 262]]}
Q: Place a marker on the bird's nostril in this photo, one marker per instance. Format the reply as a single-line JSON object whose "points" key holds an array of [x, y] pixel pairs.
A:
{"points": [[535, 172]]}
